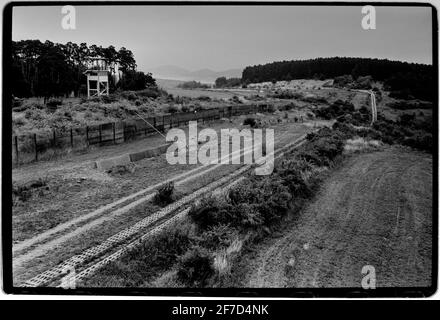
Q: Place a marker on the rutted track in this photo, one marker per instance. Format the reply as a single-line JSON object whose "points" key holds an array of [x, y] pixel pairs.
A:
{"points": [[375, 210]]}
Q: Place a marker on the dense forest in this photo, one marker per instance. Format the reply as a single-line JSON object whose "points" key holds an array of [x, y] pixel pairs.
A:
{"points": [[49, 69], [404, 80]]}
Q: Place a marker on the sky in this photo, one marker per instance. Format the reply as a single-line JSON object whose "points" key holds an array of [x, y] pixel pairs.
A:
{"points": [[225, 37]]}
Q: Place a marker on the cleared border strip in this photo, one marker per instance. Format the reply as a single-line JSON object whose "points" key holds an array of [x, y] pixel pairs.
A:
{"points": [[124, 235]]}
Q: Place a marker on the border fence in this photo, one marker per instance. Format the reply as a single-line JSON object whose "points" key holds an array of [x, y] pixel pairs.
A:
{"points": [[35, 147]]}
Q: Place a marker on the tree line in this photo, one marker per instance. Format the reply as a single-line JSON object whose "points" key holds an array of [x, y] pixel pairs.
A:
{"points": [[404, 80], [223, 82], [47, 69]]}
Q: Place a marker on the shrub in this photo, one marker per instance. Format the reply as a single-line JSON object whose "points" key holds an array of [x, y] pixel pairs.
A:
{"points": [[419, 141], [250, 121], [286, 94], [204, 98], [259, 201], [235, 99], [170, 245], [16, 103], [185, 108], [313, 99], [53, 104], [407, 105], [271, 108], [25, 105], [122, 169], [164, 194], [311, 156], [342, 81], [294, 175], [337, 109], [326, 145], [345, 126], [273, 201], [289, 106], [192, 85], [171, 109], [195, 267], [210, 211], [150, 259], [129, 95], [246, 216], [148, 93], [110, 98], [407, 119], [136, 80], [216, 237], [329, 148]]}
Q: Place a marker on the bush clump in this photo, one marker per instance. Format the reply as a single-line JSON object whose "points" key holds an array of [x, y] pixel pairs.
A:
{"points": [[210, 211], [251, 122], [337, 109], [53, 104], [164, 194], [195, 267]]}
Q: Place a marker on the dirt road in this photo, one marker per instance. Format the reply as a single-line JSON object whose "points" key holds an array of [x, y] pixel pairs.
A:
{"points": [[375, 210]]}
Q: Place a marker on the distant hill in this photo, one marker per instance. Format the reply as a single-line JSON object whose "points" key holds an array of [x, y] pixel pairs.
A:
{"points": [[203, 75], [402, 79]]}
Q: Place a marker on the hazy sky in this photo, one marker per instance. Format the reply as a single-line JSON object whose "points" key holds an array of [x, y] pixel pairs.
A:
{"points": [[225, 37]]}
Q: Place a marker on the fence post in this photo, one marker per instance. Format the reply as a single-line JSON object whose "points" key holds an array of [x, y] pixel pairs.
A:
{"points": [[36, 149], [100, 134], [54, 138], [16, 148], [114, 132], [71, 137]]}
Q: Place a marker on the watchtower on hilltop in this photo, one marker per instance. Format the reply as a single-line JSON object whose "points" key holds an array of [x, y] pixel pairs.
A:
{"points": [[97, 73]]}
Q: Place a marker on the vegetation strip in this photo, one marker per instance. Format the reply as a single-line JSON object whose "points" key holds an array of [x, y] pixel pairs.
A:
{"points": [[116, 255]]}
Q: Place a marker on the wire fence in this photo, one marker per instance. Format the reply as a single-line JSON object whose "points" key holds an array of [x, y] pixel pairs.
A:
{"points": [[47, 145]]}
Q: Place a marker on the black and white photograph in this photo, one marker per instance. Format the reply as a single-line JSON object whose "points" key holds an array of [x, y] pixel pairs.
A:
{"points": [[220, 148]]}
